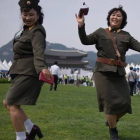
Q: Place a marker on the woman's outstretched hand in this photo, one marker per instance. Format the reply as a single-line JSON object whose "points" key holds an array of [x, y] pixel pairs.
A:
{"points": [[80, 21], [47, 73]]}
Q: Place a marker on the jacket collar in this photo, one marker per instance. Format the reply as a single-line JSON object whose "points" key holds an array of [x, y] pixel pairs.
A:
{"points": [[117, 30]]}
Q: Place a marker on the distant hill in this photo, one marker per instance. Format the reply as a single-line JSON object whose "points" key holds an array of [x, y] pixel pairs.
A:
{"points": [[135, 58], [6, 52]]}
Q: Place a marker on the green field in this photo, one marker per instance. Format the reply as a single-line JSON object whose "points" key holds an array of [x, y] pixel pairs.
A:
{"points": [[71, 113]]}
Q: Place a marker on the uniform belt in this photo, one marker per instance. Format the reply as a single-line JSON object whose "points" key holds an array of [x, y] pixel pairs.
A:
{"points": [[111, 62], [19, 56]]}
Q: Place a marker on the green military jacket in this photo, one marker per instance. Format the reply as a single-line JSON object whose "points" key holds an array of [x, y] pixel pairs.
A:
{"points": [[31, 42], [105, 47]]}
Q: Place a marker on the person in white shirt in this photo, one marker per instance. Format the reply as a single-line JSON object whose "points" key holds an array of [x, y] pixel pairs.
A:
{"points": [[55, 72], [76, 80]]}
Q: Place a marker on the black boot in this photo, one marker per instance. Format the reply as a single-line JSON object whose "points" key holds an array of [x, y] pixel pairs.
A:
{"points": [[113, 133], [35, 131]]}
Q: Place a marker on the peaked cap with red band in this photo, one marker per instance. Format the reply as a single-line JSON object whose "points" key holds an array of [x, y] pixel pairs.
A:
{"points": [[28, 3]]}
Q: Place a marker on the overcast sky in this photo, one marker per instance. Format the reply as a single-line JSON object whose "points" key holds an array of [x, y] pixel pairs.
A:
{"points": [[60, 23]]}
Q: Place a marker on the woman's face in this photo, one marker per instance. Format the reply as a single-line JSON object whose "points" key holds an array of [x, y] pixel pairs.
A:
{"points": [[116, 19], [30, 18]]}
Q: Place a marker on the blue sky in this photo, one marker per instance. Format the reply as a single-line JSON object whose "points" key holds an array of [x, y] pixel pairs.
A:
{"points": [[60, 23]]}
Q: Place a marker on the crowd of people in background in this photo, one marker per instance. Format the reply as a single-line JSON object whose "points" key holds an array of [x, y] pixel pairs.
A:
{"points": [[4, 75], [133, 78], [75, 79], [65, 79]]}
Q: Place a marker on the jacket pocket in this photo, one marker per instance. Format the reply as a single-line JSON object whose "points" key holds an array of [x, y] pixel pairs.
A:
{"points": [[124, 41], [123, 45]]}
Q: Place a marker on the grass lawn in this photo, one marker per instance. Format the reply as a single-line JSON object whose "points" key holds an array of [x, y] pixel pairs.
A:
{"points": [[70, 113]]}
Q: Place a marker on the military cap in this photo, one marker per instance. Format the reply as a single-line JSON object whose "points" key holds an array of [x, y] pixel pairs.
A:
{"points": [[28, 3]]}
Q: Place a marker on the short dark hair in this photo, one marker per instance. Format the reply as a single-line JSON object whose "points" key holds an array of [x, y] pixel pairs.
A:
{"points": [[131, 68], [55, 62], [38, 10], [124, 21]]}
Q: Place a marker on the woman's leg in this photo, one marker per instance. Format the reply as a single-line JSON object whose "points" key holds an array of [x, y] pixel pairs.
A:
{"points": [[22, 111], [27, 123], [17, 117], [4, 103], [111, 119], [19, 120], [119, 116], [112, 126]]}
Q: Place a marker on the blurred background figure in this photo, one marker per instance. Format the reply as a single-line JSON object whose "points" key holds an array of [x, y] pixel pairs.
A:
{"points": [[132, 76], [66, 79], [55, 72], [76, 80]]}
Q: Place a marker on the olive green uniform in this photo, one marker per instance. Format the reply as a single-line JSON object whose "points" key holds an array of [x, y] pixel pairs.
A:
{"points": [[25, 87], [112, 88]]}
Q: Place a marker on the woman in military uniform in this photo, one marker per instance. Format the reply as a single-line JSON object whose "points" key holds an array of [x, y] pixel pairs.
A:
{"points": [[28, 62], [109, 73]]}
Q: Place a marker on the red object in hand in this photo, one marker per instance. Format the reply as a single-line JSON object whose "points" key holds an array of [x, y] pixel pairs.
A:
{"points": [[42, 78]]}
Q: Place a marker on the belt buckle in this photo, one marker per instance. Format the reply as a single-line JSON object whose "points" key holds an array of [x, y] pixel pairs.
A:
{"points": [[110, 62]]}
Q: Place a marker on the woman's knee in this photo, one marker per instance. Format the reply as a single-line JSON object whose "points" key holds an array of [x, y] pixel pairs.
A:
{"points": [[13, 108], [15, 111], [5, 104]]}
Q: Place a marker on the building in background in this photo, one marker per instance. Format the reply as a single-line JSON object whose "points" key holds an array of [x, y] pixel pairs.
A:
{"points": [[66, 58]]}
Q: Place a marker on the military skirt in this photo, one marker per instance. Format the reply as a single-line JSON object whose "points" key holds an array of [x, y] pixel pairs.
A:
{"points": [[112, 93], [24, 90]]}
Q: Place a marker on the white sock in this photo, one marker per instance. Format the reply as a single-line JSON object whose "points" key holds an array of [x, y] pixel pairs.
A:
{"points": [[20, 135], [28, 125]]}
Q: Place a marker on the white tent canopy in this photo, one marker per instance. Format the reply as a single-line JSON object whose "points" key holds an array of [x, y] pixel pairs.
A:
{"points": [[10, 64], [4, 66]]}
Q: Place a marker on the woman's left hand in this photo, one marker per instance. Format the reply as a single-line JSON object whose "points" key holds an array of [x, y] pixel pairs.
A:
{"points": [[47, 73], [81, 21]]}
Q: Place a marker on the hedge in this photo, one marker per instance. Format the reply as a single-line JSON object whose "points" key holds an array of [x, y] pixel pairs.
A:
{"points": [[4, 80]]}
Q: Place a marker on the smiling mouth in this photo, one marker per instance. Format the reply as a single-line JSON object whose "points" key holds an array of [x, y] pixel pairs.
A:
{"points": [[27, 21], [115, 22]]}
